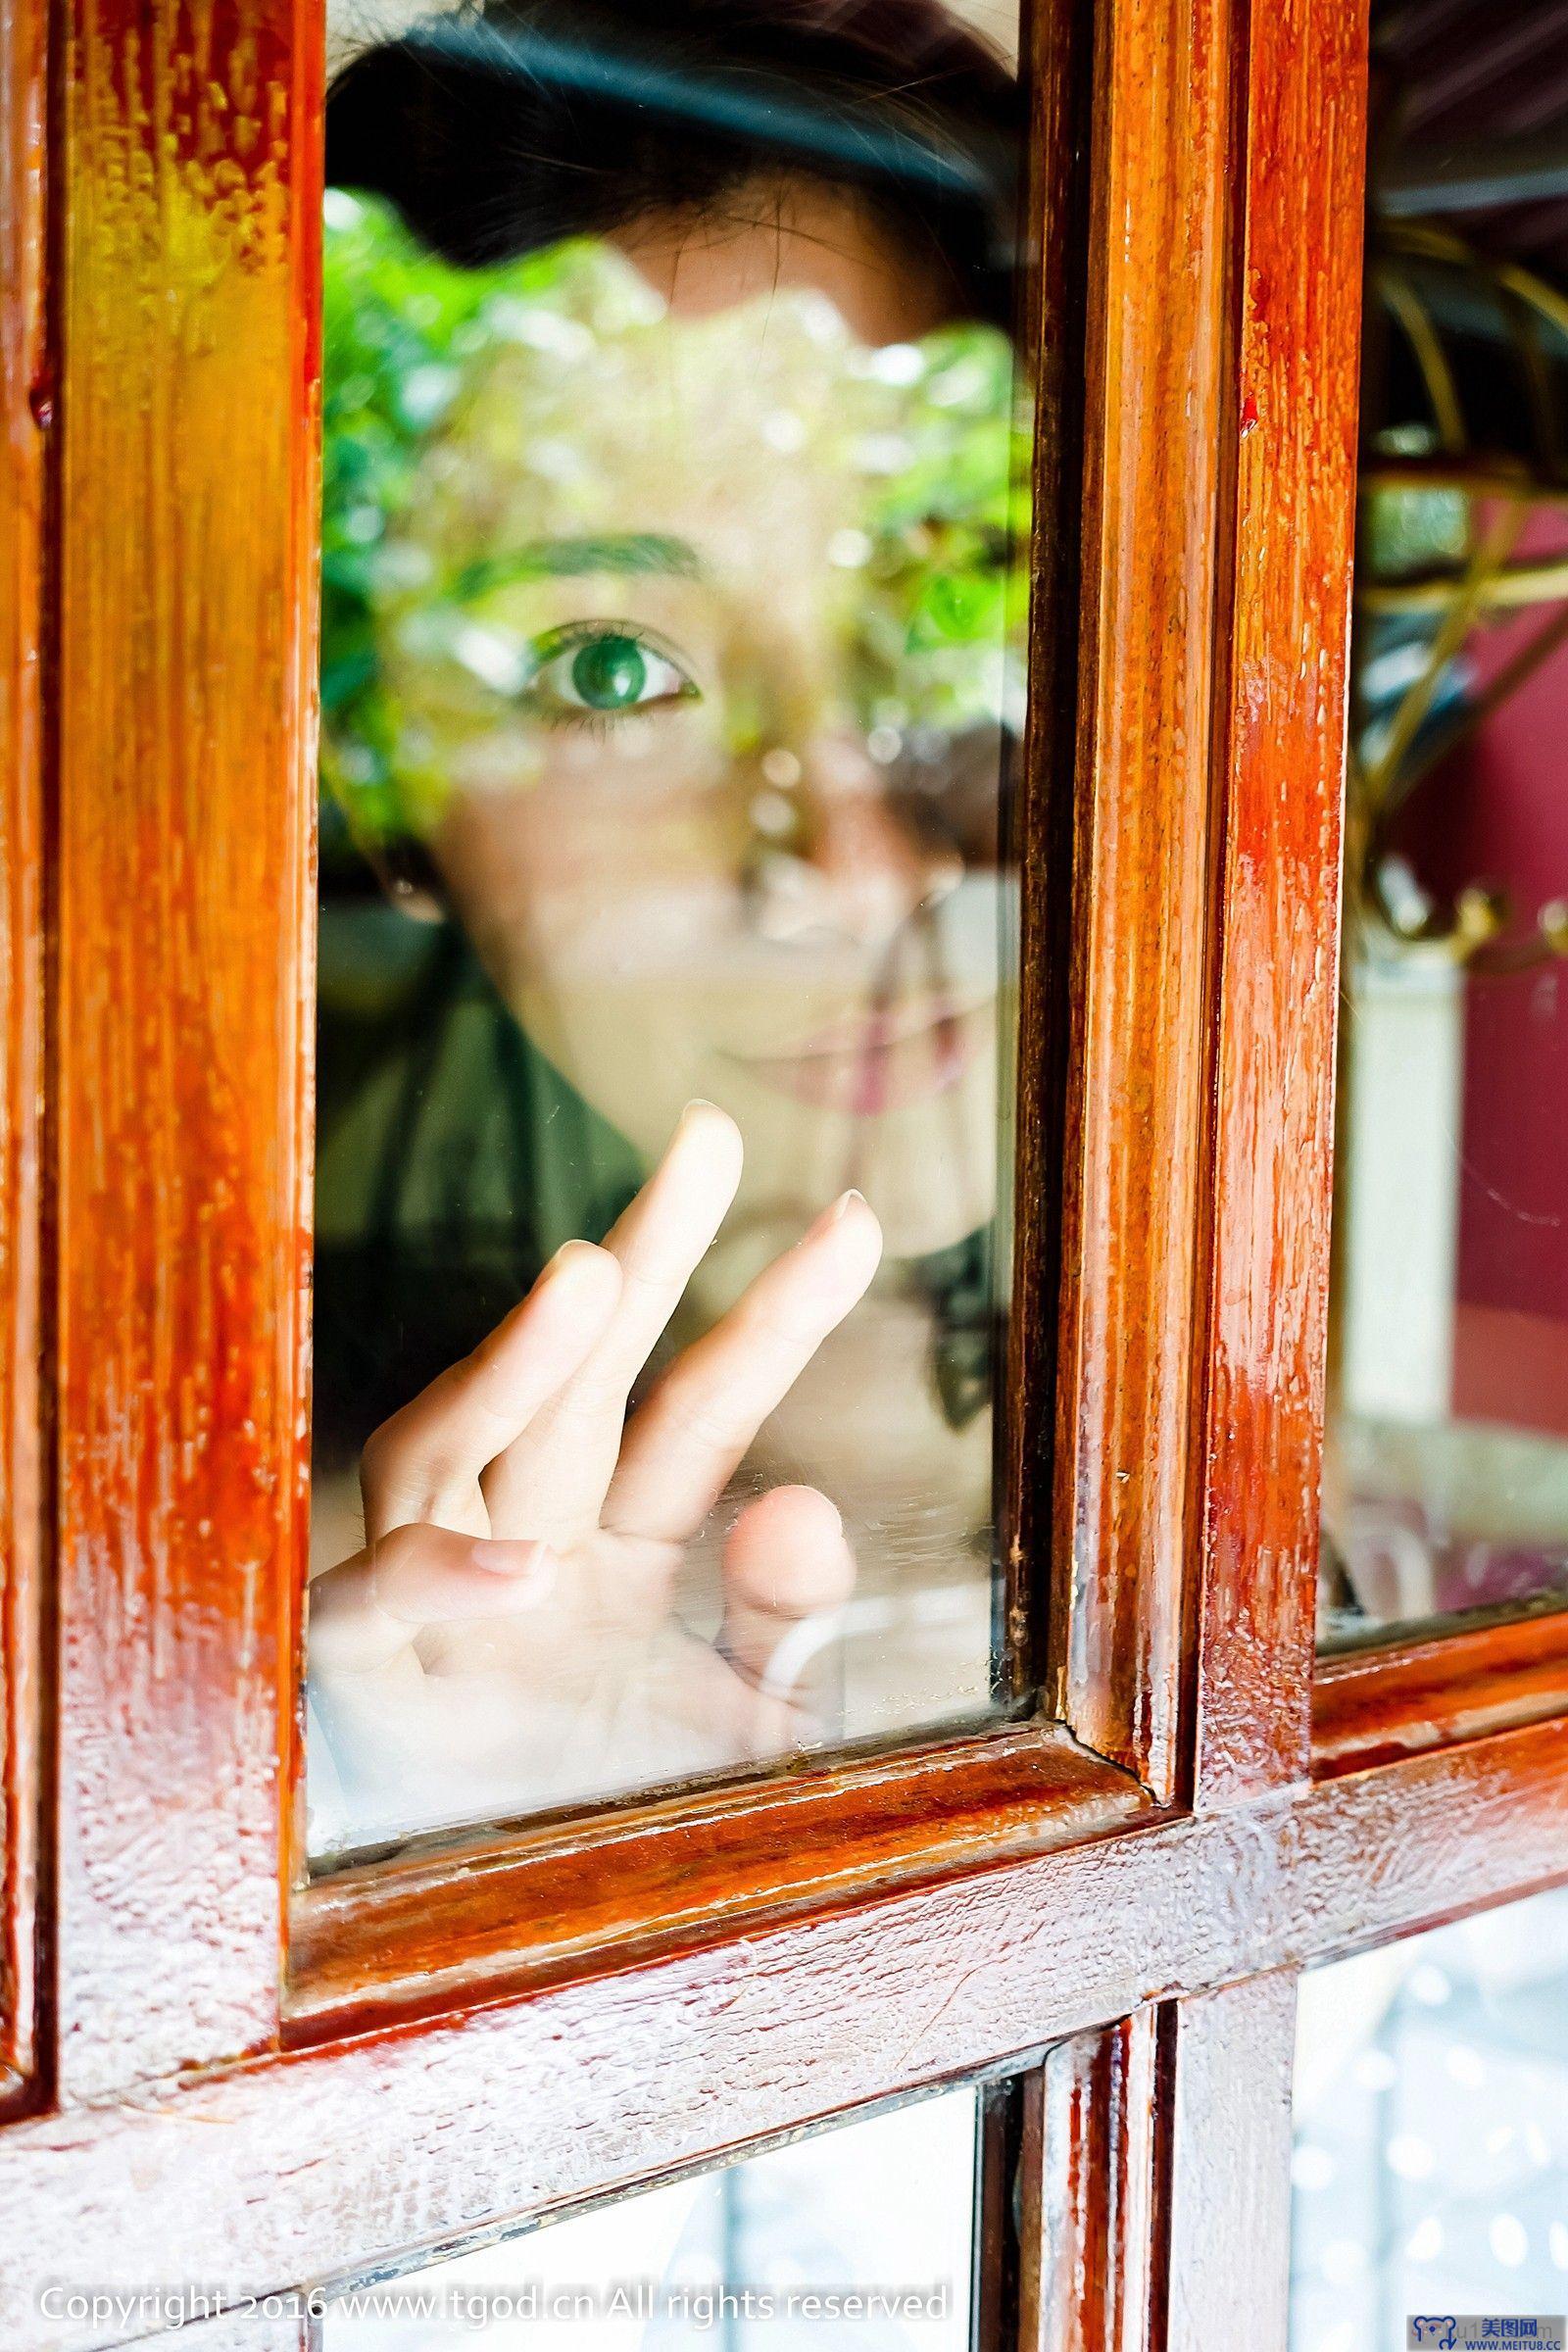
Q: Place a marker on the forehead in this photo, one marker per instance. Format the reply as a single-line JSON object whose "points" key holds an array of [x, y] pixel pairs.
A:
{"points": [[770, 237], [768, 419]]}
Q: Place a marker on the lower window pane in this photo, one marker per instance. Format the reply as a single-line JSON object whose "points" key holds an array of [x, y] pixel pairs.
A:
{"points": [[857, 2237], [1431, 2163]]}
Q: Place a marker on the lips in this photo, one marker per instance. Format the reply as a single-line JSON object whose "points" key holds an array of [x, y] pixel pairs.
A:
{"points": [[879, 1060]]}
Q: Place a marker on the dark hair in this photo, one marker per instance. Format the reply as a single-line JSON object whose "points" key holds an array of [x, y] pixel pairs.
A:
{"points": [[501, 132]]}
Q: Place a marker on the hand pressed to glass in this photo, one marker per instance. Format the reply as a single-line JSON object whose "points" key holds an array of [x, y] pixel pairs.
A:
{"points": [[507, 1631]]}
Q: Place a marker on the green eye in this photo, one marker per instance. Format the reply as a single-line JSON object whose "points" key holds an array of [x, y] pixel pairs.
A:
{"points": [[606, 669]]}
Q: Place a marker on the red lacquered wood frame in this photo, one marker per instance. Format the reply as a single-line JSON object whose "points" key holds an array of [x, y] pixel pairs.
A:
{"points": [[1157, 425], [249, 2079], [185, 693], [485, 1914], [1155, 670], [395, 2144], [1290, 398], [1090, 2189], [25, 416], [1400, 1699]]}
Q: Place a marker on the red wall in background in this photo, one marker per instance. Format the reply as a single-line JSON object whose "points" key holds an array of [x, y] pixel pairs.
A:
{"points": [[1497, 813]]}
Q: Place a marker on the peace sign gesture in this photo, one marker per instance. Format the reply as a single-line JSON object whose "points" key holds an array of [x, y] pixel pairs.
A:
{"points": [[506, 1638]]}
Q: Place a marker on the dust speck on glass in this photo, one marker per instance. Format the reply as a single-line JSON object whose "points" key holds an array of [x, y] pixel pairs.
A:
{"points": [[675, 474]]}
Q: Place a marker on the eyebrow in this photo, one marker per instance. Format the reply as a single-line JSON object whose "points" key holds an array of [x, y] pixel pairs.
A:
{"points": [[626, 554]]}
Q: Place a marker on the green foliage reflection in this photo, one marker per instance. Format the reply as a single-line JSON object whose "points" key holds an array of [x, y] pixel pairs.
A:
{"points": [[435, 371]]}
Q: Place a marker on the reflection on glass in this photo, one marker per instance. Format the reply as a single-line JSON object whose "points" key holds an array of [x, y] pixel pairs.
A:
{"points": [[674, 462], [858, 2239], [1431, 2164], [1447, 1475]]}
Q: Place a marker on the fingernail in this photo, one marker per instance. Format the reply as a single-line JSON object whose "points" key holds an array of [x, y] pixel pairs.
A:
{"points": [[569, 1254], [830, 1217], [528, 1566]]}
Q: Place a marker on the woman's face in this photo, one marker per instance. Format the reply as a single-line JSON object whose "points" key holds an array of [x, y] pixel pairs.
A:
{"points": [[711, 827]]}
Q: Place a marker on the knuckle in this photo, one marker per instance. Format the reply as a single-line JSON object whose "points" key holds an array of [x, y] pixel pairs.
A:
{"points": [[394, 1453], [392, 1552], [713, 1425], [595, 1396], [411, 1484], [378, 1449], [406, 1549]]}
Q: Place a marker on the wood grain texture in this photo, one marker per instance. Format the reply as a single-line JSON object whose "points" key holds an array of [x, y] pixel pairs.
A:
{"points": [[1156, 277], [1291, 421], [495, 1913], [1227, 2280], [1218, 530], [1370, 1706], [317, 2163], [188, 318], [1095, 2215], [25, 399]]}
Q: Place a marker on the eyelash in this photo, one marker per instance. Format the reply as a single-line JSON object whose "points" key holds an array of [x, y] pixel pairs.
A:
{"points": [[582, 719], [595, 724]]}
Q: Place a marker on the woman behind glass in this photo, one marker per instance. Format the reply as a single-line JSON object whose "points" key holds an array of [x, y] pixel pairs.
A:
{"points": [[673, 474]]}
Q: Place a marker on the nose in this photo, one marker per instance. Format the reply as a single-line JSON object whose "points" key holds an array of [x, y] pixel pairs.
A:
{"points": [[834, 855]]}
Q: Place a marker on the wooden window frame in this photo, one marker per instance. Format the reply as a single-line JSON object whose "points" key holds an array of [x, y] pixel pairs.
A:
{"points": [[1112, 1901], [1433, 1688], [26, 394]]}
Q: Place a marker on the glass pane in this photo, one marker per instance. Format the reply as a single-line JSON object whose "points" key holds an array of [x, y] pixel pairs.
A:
{"points": [[675, 466], [861, 2237], [1431, 2163], [1447, 1483]]}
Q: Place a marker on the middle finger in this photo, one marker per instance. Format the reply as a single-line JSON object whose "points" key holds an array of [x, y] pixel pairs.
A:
{"points": [[688, 1438], [552, 1482]]}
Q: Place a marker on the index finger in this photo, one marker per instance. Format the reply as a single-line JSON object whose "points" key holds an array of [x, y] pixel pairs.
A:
{"points": [[424, 1464], [552, 1481]]}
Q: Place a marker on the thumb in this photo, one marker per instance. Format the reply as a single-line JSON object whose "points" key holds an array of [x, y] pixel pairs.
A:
{"points": [[787, 1563], [363, 1613], [432, 1576]]}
